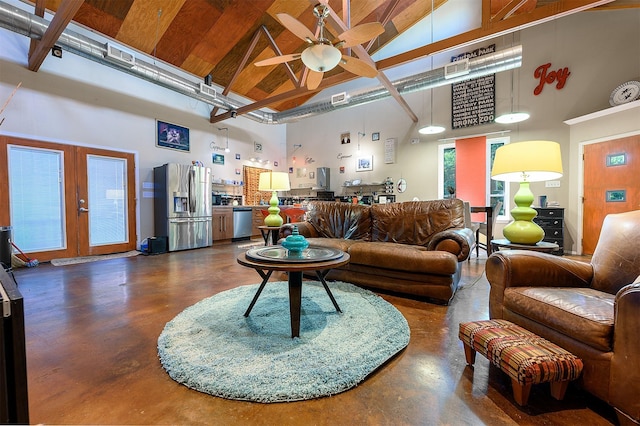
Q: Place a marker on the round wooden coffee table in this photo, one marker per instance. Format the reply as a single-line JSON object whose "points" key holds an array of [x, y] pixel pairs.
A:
{"points": [[265, 260]]}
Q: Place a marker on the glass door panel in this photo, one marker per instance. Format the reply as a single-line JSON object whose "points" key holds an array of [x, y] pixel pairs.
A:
{"points": [[36, 198], [105, 201], [107, 187]]}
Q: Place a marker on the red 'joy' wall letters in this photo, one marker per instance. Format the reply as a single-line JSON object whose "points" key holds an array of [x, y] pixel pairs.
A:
{"points": [[541, 73]]}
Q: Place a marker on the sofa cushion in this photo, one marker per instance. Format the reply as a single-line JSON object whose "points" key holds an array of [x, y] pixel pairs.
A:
{"points": [[336, 243], [584, 314], [415, 222], [403, 257], [340, 220]]}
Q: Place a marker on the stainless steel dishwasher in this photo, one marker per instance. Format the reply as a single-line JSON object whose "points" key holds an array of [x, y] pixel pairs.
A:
{"points": [[242, 223]]}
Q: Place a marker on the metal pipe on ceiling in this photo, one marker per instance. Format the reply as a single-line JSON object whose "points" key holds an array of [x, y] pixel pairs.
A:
{"points": [[33, 26]]}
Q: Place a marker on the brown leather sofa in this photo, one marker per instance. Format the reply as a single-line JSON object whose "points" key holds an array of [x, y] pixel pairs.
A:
{"points": [[590, 309], [414, 248]]}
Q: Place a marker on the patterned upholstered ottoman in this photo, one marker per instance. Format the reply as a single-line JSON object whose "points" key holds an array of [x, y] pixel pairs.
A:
{"points": [[526, 357]]}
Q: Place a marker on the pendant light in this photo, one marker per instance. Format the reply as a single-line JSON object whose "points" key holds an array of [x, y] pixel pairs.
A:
{"points": [[227, 129], [431, 129], [512, 116]]}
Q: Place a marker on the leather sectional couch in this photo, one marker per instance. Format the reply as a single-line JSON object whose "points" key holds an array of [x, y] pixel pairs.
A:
{"points": [[414, 248], [590, 309]]}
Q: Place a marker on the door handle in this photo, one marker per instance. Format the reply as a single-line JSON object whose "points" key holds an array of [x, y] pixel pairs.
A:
{"points": [[83, 210], [80, 208]]}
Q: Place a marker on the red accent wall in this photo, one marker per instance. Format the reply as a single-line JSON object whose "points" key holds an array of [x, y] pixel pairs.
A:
{"points": [[471, 172]]}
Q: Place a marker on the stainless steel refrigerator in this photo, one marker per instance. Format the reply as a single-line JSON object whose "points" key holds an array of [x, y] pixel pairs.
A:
{"points": [[182, 205]]}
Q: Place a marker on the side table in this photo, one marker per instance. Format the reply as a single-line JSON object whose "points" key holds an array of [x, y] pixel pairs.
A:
{"points": [[542, 246], [274, 231]]}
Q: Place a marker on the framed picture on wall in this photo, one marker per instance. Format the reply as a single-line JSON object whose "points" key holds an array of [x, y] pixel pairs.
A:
{"points": [[172, 136], [345, 138], [218, 159], [364, 163]]}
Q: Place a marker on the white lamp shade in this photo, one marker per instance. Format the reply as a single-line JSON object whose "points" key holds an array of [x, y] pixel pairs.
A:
{"points": [[321, 57], [274, 181], [531, 161]]}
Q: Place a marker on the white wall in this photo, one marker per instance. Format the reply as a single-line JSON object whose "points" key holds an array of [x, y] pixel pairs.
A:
{"points": [[609, 124], [74, 100], [597, 64], [77, 101]]}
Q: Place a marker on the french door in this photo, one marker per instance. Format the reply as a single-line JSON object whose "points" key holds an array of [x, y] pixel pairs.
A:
{"points": [[67, 201]]}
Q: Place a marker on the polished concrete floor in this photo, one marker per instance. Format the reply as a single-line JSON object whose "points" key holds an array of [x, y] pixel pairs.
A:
{"points": [[92, 359]]}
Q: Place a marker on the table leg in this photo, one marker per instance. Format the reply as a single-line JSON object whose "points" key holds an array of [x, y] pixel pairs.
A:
{"points": [[295, 300], [265, 236], [321, 275], [265, 278], [275, 234]]}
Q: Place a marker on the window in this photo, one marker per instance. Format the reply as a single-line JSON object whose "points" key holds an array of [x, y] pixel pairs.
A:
{"points": [[36, 189], [496, 190], [107, 180]]}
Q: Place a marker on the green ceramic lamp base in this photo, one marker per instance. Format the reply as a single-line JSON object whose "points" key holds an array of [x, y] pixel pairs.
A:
{"points": [[274, 218], [523, 230]]}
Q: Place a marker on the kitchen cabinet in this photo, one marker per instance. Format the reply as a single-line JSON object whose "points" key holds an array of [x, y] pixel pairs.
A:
{"points": [[222, 223]]}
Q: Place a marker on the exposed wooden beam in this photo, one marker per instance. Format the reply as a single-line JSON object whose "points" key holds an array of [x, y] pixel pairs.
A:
{"points": [[63, 16], [509, 9], [252, 45], [39, 11], [487, 31], [275, 47], [336, 22], [494, 29], [384, 20]]}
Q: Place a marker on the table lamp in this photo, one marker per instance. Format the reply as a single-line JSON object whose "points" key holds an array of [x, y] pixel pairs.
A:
{"points": [[273, 181], [525, 162]]}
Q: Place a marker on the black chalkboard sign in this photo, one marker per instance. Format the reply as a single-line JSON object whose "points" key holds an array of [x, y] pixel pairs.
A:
{"points": [[473, 101]]}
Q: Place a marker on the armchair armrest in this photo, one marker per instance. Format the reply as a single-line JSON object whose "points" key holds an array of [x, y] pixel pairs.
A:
{"points": [[455, 241], [521, 268], [626, 352]]}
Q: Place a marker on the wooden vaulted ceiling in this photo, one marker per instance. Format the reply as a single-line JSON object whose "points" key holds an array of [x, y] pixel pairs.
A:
{"points": [[223, 38]]}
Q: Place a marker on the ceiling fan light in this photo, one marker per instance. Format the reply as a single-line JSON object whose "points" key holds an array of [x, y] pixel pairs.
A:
{"points": [[431, 130], [512, 117], [321, 57]]}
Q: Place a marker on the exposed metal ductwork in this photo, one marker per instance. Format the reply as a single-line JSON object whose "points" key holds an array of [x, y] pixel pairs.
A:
{"points": [[32, 26]]}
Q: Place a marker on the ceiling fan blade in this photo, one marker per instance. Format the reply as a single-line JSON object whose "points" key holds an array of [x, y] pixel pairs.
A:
{"points": [[296, 27], [313, 79], [358, 66], [278, 60], [359, 34]]}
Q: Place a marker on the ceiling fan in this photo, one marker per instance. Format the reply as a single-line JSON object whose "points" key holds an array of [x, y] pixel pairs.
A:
{"points": [[323, 55]]}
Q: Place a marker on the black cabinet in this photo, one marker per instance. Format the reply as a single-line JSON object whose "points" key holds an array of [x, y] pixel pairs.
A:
{"points": [[551, 220]]}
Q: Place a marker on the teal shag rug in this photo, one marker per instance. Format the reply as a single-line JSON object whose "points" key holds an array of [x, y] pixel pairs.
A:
{"points": [[212, 348]]}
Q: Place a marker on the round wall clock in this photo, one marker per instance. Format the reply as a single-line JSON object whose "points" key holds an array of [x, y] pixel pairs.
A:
{"points": [[402, 185], [626, 92]]}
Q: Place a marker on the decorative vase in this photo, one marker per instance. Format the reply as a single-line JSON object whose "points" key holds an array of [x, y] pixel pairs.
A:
{"points": [[295, 243]]}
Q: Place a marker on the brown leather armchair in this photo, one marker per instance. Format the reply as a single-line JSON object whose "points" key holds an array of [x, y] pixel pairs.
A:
{"points": [[590, 309]]}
